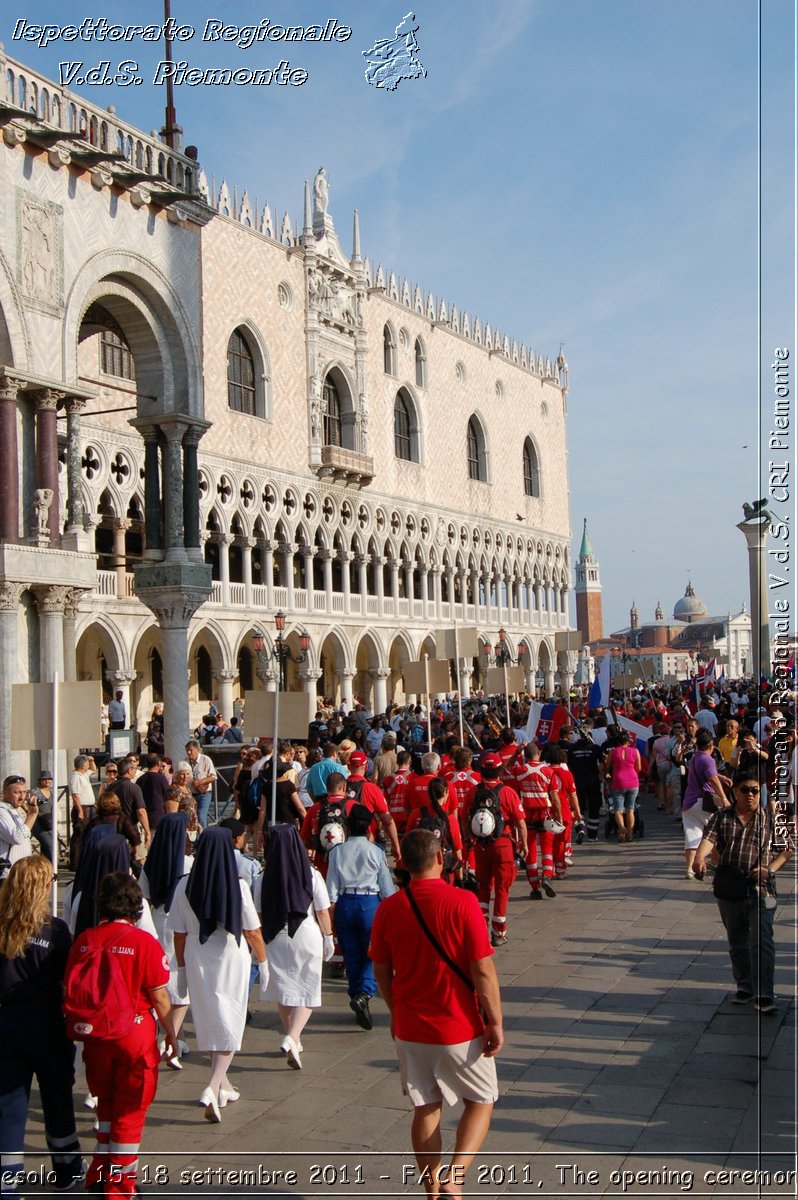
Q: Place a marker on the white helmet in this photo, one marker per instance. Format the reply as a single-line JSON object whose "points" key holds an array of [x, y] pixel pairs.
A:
{"points": [[331, 834], [552, 825], [483, 823]]}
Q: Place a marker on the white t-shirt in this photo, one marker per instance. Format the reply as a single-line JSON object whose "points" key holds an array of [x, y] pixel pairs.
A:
{"points": [[80, 785]]}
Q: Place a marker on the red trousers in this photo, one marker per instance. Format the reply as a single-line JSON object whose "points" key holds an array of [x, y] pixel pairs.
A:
{"points": [[495, 870], [562, 847], [543, 868], [123, 1075]]}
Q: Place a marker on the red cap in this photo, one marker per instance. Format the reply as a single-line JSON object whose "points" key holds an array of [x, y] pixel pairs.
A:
{"points": [[491, 761], [357, 759]]}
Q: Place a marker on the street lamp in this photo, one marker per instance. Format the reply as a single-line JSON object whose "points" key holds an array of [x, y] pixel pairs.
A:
{"points": [[281, 652], [504, 659]]}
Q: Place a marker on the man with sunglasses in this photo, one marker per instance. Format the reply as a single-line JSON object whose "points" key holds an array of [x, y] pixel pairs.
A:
{"points": [[18, 814], [742, 835]]}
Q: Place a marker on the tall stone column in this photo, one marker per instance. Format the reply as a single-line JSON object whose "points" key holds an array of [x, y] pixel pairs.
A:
{"points": [[344, 558], [308, 576], [548, 682], [394, 568], [247, 546], [361, 562], [464, 677], [475, 590], [226, 680], [268, 567], [755, 534], [75, 535], [345, 677], [424, 574], [9, 476], [408, 570], [47, 454], [173, 490], [223, 542], [121, 526], [191, 516], [437, 599], [70, 641], [51, 602], [153, 536], [380, 677], [288, 572], [379, 563], [10, 595], [268, 676], [450, 591], [326, 559]]}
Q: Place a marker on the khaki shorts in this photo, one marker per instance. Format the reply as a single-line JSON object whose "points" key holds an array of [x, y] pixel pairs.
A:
{"points": [[432, 1073]]}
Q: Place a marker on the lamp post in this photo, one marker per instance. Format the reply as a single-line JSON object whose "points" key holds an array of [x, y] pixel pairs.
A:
{"points": [[504, 659], [281, 652]]}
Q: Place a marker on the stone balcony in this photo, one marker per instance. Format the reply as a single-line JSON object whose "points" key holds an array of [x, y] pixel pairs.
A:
{"points": [[346, 466]]}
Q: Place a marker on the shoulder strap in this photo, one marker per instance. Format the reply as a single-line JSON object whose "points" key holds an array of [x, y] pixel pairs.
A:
{"points": [[436, 944]]}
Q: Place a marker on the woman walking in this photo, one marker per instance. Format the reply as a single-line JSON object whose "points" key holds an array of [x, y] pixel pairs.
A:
{"points": [[292, 899], [703, 794], [215, 924], [623, 770], [33, 1041]]}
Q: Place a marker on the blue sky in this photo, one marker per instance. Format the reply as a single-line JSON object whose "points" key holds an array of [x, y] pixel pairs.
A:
{"points": [[569, 171]]}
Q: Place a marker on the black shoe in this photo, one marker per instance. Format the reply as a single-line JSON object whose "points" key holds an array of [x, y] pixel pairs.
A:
{"points": [[536, 894], [360, 1007], [742, 997], [766, 1005], [548, 889], [579, 833]]}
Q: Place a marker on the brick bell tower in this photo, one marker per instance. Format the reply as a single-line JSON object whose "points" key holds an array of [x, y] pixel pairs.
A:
{"points": [[589, 616]]}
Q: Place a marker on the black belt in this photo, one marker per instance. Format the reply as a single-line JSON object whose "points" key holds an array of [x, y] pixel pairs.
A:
{"points": [[359, 892]]}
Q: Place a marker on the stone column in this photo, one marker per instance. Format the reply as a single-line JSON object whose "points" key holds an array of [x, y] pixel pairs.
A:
{"points": [[437, 598], [247, 546], [9, 476], [529, 680], [122, 681], [47, 454], [173, 492], [226, 680], [307, 555], [548, 682], [379, 563], [269, 676], [268, 567], [223, 541], [10, 595], [51, 602], [537, 589], [530, 596], [310, 676], [326, 560], [153, 536], [394, 568], [191, 497], [345, 677], [450, 591], [475, 590], [424, 574], [344, 558], [289, 551], [70, 641], [362, 581], [75, 532], [464, 677], [755, 533], [380, 677], [121, 526]]}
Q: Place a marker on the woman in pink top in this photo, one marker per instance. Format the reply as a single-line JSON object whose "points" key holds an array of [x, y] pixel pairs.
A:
{"points": [[623, 769]]}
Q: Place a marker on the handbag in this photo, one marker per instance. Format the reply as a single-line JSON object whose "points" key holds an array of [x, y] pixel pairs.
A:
{"points": [[446, 957], [731, 883]]}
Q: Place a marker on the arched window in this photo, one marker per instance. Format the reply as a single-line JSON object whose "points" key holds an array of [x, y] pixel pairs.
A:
{"points": [[116, 357], [401, 428], [421, 363], [389, 350], [477, 461], [331, 413], [531, 470], [241, 393]]}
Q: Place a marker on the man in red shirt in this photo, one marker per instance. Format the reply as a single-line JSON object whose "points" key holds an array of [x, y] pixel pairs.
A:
{"points": [[569, 810], [417, 795], [540, 799], [310, 832], [360, 791], [445, 1049], [494, 859], [123, 1072], [395, 789]]}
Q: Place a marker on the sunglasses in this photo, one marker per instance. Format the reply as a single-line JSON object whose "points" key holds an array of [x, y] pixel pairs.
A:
{"points": [[14, 779], [748, 791], [107, 773]]}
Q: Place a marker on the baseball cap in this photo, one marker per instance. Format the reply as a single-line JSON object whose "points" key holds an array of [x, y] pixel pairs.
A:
{"points": [[491, 762], [357, 759]]}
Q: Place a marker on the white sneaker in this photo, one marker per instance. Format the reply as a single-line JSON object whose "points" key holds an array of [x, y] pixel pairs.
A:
{"points": [[90, 1101]]}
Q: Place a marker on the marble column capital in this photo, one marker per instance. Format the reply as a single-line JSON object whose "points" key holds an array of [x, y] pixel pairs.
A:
{"points": [[309, 674], [225, 676], [51, 598], [74, 405], [267, 674], [123, 678], [346, 673], [10, 592], [46, 399], [73, 601], [122, 524], [9, 389], [380, 672]]}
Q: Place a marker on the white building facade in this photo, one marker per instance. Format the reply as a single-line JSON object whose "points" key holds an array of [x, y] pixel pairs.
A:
{"points": [[218, 413]]}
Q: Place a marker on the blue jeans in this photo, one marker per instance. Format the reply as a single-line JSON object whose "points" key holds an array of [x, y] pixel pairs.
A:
{"points": [[40, 1049], [354, 916], [622, 800], [749, 929], [203, 807]]}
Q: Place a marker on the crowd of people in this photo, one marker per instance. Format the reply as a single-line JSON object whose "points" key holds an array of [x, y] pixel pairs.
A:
{"points": [[380, 837]]}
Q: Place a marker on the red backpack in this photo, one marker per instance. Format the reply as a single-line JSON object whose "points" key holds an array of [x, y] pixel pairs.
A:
{"points": [[97, 1001]]}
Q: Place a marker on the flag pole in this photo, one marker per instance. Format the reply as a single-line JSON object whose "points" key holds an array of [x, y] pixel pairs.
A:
{"points": [[54, 835], [506, 692], [274, 752], [429, 706], [458, 681]]}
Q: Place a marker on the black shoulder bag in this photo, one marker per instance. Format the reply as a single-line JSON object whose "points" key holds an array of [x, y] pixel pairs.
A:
{"points": [[446, 957]]}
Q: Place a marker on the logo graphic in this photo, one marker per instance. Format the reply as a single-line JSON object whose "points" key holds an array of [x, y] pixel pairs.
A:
{"points": [[393, 59]]}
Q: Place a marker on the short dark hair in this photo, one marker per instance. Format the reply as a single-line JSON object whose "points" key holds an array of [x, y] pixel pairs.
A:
{"points": [[556, 755], [119, 898], [703, 739], [335, 780], [153, 760], [358, 820], [748, 777], [419, 850], [330, 749]]}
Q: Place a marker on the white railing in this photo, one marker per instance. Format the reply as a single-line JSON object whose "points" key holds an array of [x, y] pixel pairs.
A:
{"points": [[404, 608], [354, 603], [216, 591], [300, 600], [338, 602], [260, 595], [106, 583], [320, 602], [238, 593], [373, 606], [281, 597]]}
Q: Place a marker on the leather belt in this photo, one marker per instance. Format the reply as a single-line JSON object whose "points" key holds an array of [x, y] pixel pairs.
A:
{"points": [[359, 892]]}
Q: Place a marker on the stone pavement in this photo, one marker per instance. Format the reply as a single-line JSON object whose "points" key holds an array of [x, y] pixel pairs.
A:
{"points": [[623, 1058]]}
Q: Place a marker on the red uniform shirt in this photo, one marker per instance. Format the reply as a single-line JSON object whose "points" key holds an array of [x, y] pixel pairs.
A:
{"points": [[534, 782], [431, 1003], [370, 795], [455, 836], [395, 788], [565, 786], [417, 794], [142, 960], [511, 809], [462, 786]]}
